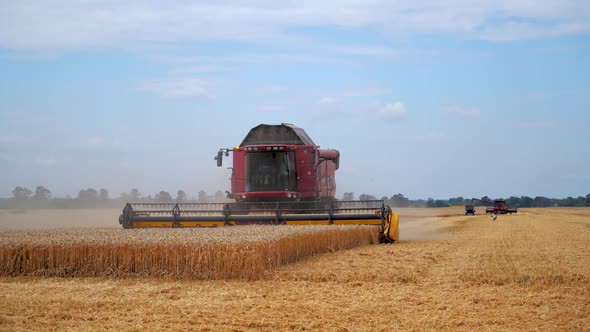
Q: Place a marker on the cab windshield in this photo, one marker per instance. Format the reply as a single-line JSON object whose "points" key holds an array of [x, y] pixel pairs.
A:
{"points": [[270, 171]]}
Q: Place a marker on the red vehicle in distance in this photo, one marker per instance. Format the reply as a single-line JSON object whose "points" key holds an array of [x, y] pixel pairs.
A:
{"points": [[499, 206]]}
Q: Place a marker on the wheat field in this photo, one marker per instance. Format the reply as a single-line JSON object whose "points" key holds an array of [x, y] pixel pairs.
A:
{"points": [[529, 271], [237, 252]]}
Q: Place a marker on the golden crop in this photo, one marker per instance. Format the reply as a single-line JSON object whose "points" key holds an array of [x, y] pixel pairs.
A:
{"points": [[448, 272], [244, 252]]}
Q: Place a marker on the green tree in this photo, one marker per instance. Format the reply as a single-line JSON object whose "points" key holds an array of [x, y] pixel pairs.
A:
{"points": [[399, 200], [348, 197], [163, 196], [526, 202], [21, 193], [42, 194], [202, 196], [365, 197], [430, 202], [484, 198], [440, 203], [541, 201], [456, 201], [88, 195], [513, 202], [180, 195], [134, 195], [103, 194]]}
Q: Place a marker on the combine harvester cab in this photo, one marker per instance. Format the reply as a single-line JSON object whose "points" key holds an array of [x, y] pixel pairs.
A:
{"points": [[279, 176]]}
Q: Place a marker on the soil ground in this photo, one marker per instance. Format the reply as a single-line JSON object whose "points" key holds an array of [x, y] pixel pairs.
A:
{"points": [[528, 271]]}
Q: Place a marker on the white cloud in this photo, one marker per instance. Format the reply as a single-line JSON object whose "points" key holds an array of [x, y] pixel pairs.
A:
{"points": [[394, 111], [178, 88], [327, 101], [130, 24], [460, 111]]}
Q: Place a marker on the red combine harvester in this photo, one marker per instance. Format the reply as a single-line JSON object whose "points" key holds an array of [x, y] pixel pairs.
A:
{"points": [[280, 163], [498, 207], [279, 176]]}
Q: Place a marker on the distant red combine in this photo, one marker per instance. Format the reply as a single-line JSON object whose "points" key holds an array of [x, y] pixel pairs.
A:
{"points": [[499, 206]]}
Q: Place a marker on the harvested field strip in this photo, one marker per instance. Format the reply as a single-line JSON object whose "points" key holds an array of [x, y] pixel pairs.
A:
{"points": [[529, 248], [247, 252]]}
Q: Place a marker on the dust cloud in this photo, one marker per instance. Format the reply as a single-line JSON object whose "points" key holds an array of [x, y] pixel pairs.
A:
{"points": [[421, 229], [59, 218], [424, 224]]}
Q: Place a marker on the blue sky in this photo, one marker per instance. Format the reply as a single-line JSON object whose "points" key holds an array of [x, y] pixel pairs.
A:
{"points": [[428, 98]]}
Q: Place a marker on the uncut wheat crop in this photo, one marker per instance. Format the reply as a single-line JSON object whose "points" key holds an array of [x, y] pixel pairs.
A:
{"points": [[244, 252]]}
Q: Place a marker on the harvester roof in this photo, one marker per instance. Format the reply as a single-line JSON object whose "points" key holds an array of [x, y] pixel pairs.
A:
{"points": [[277, 134]]}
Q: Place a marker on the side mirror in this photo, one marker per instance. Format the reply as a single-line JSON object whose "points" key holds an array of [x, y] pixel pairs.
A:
{"points": [[219, 158]]}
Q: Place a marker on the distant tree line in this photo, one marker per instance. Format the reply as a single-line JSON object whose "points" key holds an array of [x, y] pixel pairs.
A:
{"points": [[42, 197], [399, 200]]}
